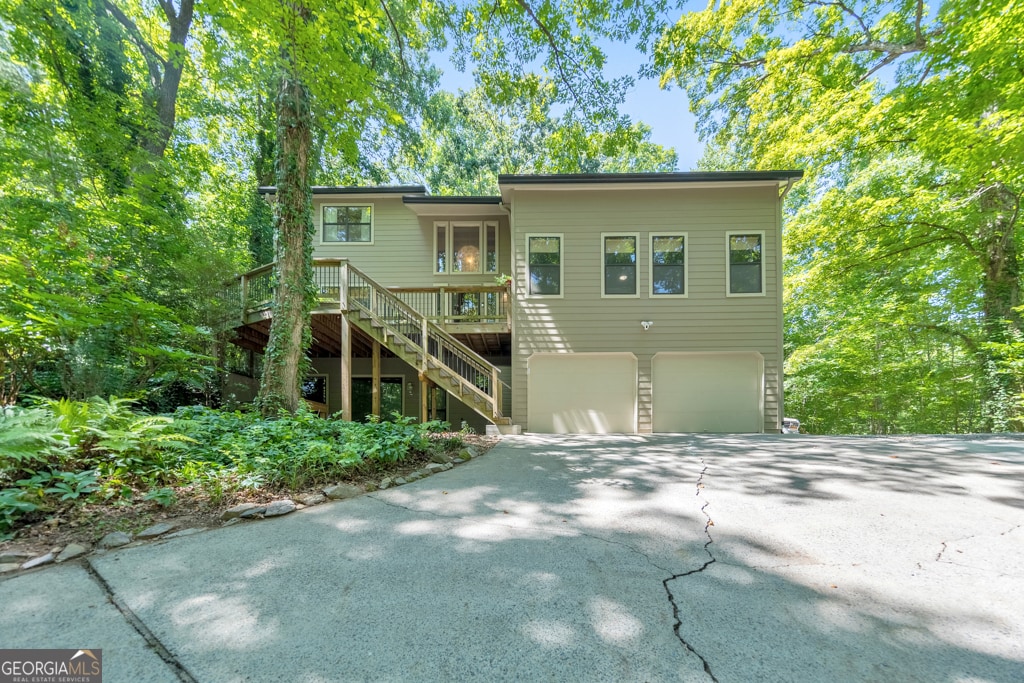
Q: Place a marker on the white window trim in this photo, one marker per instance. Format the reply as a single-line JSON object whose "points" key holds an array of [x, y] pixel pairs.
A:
{"points": [[482, 231], [636, 238], [447, 247], [561, 265], [497, 247], [332, 243], [686, 265], [728, 264]]}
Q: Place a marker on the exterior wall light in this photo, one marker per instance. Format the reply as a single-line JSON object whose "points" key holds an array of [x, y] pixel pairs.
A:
{"points": [[646, 324]]}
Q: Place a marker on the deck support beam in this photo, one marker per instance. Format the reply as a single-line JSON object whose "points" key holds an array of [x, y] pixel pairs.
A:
{"points": [[424, 395], [346, 369], [375, 391]]}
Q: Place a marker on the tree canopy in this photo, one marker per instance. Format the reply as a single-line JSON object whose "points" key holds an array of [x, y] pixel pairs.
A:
{"points": [[903, 271]]}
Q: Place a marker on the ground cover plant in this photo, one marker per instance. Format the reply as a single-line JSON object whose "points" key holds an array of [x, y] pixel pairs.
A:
{"points": [[60, 455]]}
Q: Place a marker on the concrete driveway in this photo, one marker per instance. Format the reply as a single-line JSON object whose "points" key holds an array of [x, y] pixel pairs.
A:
{"points": [[618, 558]]}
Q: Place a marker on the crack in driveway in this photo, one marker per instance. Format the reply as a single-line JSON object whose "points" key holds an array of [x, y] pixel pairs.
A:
{"points": [[711, 560], [665, 583]]}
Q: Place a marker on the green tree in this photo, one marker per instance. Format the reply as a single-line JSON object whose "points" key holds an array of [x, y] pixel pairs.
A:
{"points": [[466, 141], [908, 122]]}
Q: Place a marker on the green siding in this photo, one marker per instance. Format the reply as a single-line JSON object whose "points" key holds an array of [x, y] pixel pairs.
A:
{"points": [[708, 320], [403, 245]]}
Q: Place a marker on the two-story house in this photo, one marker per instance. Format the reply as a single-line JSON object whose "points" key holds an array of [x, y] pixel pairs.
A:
{"points": [[630, 303]]}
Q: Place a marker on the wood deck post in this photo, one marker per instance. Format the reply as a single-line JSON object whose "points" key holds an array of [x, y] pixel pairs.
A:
{"points": [[433, 402], [375, 391], [495, 392], [343, 287], [423, 398], [346, 369]]}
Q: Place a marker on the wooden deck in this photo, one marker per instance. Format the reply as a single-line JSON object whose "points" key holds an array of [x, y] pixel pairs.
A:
{"points": [[357, 315], [482, 311]]}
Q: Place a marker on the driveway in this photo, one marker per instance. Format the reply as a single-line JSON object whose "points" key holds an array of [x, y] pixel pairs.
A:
{"points": [[604, 558]]}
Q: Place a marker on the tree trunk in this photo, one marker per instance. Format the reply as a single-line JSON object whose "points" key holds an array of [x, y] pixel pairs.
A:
{"points": [[1000, 264], [294, 296]]}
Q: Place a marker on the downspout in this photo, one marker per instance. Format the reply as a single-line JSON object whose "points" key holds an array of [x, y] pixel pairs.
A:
{"points": [[789, 184]]}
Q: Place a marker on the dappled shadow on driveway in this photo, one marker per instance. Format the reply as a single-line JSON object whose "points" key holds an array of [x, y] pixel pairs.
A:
{"points": [[545, 560], [803, 468]]}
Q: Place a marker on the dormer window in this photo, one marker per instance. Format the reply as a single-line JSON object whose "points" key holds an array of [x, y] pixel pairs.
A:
{"points": [[347, 223]]}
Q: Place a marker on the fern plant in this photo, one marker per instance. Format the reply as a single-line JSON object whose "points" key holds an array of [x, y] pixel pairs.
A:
{"points": [[29, 438]]}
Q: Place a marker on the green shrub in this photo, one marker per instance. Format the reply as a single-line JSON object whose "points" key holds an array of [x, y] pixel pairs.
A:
{"points": [[293, 450], [30, 439]]}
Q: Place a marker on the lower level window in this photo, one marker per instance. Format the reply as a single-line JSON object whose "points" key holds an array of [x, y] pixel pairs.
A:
{"points": [[314, 388], [390, 398]]}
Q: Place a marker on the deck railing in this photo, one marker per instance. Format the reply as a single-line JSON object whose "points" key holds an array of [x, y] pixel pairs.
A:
{"points": [[461, 308], [462, 305], [474, 374]]}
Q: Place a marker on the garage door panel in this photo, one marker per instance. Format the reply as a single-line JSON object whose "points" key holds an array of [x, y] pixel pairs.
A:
{"points": [[708, 392], [582, 393]]}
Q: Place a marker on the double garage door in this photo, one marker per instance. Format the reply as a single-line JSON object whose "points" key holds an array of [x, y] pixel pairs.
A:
{"points": [[581, 393]]}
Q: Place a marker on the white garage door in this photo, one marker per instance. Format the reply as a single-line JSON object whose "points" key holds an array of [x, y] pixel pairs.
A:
{"points": [[582, 393], [708, 392]]}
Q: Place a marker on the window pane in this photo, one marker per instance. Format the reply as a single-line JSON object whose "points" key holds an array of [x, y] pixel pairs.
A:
{"points": [[668, 280], [362, 397], [744, 264], [545, 280], [620, 265], [620, 280], [442, 248], [545, 257], [667, 265], [347, 224], [745, 279], [668, 251], [619, 250], [315, 388], [744, 249], [492, 249], [465, 249], [390, 397]]}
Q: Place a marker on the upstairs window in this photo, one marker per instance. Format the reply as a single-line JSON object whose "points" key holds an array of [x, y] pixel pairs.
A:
{"points": [[668, 264], [465, 248], [619, 262], [544, 265], [351, 223], [745, 273]]}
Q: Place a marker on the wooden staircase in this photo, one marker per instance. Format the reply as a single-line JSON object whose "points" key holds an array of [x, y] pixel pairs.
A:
{"points": [[421, 343]]}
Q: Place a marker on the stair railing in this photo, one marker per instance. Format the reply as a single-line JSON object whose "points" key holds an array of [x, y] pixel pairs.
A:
{"points": [[475, 374]]}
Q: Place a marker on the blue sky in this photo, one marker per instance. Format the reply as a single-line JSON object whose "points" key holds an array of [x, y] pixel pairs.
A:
{"points": [[665, 111]]}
